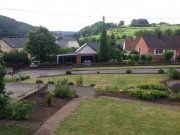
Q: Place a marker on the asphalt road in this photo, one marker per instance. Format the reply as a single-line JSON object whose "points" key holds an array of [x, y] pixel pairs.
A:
{"points": [[52, 72]]}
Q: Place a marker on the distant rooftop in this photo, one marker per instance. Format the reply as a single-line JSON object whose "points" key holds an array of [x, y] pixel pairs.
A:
{"points": [[15, 42]]}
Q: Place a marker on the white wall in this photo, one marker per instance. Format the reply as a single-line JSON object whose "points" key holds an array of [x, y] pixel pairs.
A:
{"points": [[87, 50]]}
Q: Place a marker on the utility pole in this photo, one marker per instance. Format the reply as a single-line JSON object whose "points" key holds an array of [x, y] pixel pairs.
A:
{"points": [[104, 18]]}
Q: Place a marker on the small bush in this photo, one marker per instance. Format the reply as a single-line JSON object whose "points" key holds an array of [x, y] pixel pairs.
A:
{"points": [[128, 71], [49, 99], [64, 91], [28, 77], [20, 110], [149, 57], [168, 55], [17, 79], [50, 82], [39, 81], [98, 72], [68, 72], [70, 83], [143, 57], [161, 71], [22, 78], [173, 74], [92, 85], [134, 57], [79, 81]]}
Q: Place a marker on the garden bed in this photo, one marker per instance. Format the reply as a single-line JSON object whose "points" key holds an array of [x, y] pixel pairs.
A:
{"points": [[124, 95], [41, 112]]}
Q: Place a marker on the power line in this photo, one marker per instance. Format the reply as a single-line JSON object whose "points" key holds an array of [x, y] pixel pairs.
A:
{"points": [[84, 16], [50, 13]]}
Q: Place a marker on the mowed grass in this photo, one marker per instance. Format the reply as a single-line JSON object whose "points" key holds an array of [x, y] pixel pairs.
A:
{"points": [[15, 130], [102, 80], [104, 116]]}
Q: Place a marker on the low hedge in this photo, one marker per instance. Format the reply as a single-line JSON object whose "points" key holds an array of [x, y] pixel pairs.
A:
{"points": [[147, 94]]}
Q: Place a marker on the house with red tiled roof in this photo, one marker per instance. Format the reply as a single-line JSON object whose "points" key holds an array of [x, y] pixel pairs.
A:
{"points": [[129, 44], [157, 45]]}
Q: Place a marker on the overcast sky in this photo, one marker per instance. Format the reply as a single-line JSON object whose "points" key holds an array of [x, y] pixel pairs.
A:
{"points": [[72, 15]]}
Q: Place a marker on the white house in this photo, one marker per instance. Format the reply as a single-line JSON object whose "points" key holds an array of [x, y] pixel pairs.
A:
{"points": [[67, 42]]}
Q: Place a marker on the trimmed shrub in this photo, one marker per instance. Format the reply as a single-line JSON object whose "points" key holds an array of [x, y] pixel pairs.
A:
{"points": [[28, 77], [68, 72], [149, 57], [92, 85], [50, 82], [98, 72], [128, 71], [147, 94], [70, 83], [20, 110], [39, 81], [143, 57], [168, 55], [134, 57], [173, 74], [161, 71], [64, 91]]}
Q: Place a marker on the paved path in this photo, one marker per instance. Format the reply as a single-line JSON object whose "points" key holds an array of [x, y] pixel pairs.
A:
{"points": [[53, 122], [19, 89]]}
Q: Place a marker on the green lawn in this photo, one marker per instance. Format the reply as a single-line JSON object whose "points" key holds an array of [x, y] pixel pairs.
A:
{"points": [[102, 80], [127, 67], [105, 116], [15, 130]]}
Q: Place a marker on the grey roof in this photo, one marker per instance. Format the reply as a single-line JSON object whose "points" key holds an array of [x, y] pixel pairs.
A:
{"points": [[67, 38], [165, 42], [15, 42], [94, 45]]}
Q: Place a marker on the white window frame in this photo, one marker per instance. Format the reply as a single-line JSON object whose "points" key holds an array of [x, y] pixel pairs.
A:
{"points": [[157, 52]]}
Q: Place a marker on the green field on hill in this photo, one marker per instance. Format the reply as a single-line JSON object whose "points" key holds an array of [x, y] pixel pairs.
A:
{"points": [[130, 31]]}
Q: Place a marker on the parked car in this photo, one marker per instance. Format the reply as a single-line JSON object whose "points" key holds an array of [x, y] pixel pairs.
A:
{"points": [[87, 62], [34, 64]]}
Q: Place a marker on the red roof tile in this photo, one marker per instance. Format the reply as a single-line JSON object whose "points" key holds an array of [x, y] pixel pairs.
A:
{"points": [[130, 43]]}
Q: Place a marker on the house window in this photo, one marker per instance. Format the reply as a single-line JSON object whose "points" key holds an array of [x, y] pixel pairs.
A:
{"points": [[158, 52], [139, 50]]}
